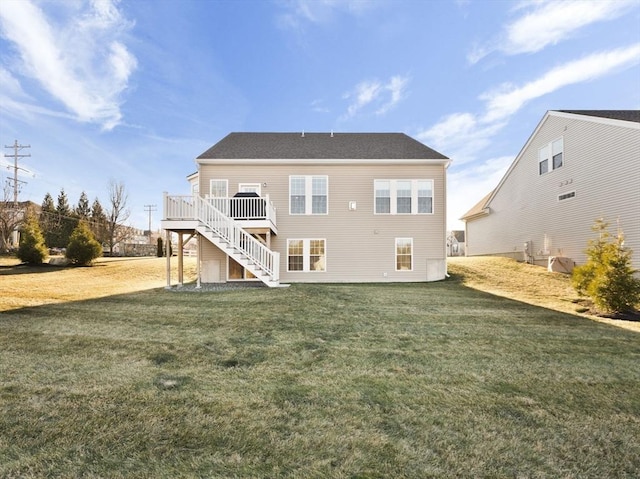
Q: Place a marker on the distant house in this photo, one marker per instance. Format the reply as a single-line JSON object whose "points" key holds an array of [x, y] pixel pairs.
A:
{"points": [[455, 243], [12, 217], [577, 166], [315, 207]]}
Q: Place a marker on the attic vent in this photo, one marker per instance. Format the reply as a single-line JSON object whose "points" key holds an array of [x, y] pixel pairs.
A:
{"points": [[566, 196]]}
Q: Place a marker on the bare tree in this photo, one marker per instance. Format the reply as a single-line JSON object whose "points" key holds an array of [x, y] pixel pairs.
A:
{"points": [[12, 215], [117, 214]]}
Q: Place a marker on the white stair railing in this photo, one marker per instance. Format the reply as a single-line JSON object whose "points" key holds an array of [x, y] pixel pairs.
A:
{"points": [[228, 230]]}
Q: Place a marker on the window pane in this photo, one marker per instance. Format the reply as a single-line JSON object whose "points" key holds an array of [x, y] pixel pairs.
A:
{"points": [[403, 191], [557, 147], [425, 188], [383, 205], [425, 204], [317, 256], [403, 254], [296, 191], [319, 185], [295, 253], [297, 205], [557, 160], [319, 204], [383, 196], [544, 167], [219, 188], [319, 195]]}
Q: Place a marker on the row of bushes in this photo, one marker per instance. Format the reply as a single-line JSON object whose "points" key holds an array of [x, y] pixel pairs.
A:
{"points": [[82, 249]]}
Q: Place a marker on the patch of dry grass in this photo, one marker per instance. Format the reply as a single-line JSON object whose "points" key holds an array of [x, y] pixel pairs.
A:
{"points": [[24, 285], [525, 282]]}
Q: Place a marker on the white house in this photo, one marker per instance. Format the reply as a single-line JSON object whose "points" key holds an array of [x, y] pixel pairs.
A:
{"points": [[315, 207], [577, 166]]}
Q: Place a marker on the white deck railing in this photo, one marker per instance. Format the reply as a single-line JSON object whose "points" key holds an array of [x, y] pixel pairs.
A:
{"points": [[183, 208], [225, 227]]}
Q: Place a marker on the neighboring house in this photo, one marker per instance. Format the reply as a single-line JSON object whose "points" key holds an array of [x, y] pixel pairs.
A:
{"points": [[455, 243], [351, 207], [12, 216], [576, 167]]}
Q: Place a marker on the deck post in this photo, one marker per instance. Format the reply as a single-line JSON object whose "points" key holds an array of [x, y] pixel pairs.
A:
{"points": [[198, 284], [167, 249], [180, 260]]}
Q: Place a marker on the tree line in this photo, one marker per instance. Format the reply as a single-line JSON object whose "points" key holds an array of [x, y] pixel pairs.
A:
{"points": [[57, 220]]}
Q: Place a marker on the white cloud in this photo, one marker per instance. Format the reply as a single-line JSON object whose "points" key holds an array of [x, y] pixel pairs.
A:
{"points": [[462, 136], [507, 100], [384, 96], [68, 59], [396, 88], [548, 22], [300, 12], [10, 84]]}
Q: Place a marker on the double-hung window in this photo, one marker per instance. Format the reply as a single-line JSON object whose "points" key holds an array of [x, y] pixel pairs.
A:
{"points": [[403, 196], [551, 156], [218, 193], [306, 255], [218, 188], [404, 254], [308, 195]]}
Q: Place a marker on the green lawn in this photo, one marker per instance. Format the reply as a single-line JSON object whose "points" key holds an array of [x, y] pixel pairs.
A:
{"points": [[316, 381]]}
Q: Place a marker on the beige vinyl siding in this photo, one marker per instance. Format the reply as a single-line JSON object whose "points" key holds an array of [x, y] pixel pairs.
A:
{"points": [[210, 255], [360, 246], [602, 166]]}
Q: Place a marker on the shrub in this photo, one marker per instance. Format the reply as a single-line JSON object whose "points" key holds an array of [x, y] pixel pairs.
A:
{"points": [[607, 277], [32, 248], [83, 247], [160, 248]]}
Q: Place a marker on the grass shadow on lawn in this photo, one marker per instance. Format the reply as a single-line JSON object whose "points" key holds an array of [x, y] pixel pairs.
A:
{"points": [[399, 380]]}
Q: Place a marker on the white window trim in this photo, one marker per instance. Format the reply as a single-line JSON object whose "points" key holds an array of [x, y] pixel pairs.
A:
{"points": [[241, 187], [306, 255], [308, 194], [395, 256], [549, 156], [393, 191], [211, 187]]}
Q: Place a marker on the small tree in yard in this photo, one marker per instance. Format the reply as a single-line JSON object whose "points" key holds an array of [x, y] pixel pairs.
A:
{"points": [[83, 247], [32, 248], [607, 277]]}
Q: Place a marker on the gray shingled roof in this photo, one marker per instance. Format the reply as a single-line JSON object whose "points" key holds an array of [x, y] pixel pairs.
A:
{"points": [[626, 115], [352, 146]]}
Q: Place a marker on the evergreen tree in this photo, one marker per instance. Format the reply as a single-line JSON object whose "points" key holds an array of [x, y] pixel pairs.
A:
{"points": [[83, 210], [83, 247], [32, 248], [66, 220], [48, 221], [98, 222], [607, 277]]}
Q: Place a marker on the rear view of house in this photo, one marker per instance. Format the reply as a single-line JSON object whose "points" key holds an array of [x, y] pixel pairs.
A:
{"points": [[316, 207], [576, 167]]}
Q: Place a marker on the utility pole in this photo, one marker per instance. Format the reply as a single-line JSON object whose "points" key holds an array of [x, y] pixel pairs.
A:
{"points": [[15, 155], [149, 209]]}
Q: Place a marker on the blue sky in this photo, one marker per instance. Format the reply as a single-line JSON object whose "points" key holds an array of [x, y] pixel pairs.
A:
{"points": [[134, 90]]}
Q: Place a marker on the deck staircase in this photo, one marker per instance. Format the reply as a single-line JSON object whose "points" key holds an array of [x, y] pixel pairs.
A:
{"points": [[227, 234]]}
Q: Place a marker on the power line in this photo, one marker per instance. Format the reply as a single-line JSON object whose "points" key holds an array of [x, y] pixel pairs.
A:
{"points": [[15, 155], [149, 209]]}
